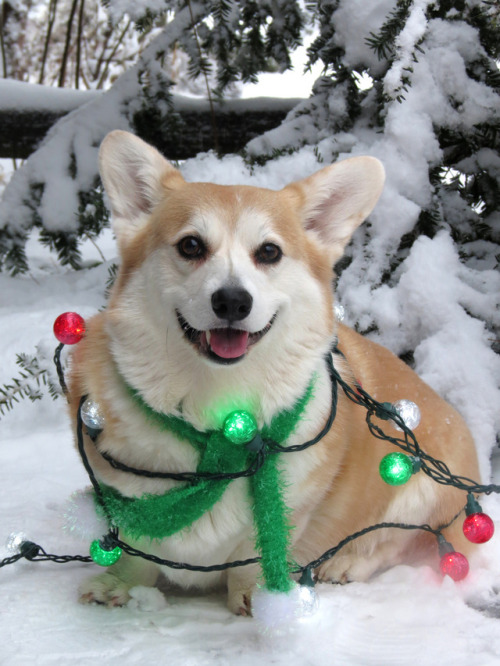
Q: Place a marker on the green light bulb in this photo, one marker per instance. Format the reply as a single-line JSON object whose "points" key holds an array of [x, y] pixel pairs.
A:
{"points": [[396, 468], [240, 427], [103, 557]]}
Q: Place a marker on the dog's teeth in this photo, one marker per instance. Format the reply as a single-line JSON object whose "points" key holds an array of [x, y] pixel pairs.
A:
{"points": [[209, 335]]}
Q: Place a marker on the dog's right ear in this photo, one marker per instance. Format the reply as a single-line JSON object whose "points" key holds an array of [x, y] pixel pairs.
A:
{"points": [[136, 177], [335, 200]]}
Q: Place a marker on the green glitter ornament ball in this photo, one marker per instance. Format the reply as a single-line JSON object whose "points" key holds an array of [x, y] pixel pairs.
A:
{"points": [[103, 557], [240, 427], [396, 468]]}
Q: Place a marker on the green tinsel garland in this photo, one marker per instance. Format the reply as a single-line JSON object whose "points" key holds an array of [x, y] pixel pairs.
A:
{"points": [[161, 516]]}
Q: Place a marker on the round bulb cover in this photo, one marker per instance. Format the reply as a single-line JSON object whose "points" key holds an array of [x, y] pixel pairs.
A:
{"points": [[14, 542], [409, 412], [240, 427], [455, 565], [69, 328], [92, 414], [478, 527], [309, 601], [339, 312], [396, 468], [102, 556]]}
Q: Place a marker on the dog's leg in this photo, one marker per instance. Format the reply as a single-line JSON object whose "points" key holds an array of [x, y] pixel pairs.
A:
{"points": [[361, 563], [353, 566], [241, 581], [112, 587], [240, 587]]}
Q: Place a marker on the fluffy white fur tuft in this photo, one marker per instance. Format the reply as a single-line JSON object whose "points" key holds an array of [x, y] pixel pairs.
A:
{"points": [[80, 518], [146, 599], [278, 611]]}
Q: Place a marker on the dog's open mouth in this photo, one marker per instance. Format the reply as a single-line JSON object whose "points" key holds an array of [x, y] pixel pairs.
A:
{"points": [[224, 345]]}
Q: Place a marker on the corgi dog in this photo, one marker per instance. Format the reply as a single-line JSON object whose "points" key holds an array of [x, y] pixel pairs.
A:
{"points": [[224, 298]]}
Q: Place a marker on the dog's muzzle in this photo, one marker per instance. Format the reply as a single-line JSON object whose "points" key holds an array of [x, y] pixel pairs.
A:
{"points": [[223, 345]]}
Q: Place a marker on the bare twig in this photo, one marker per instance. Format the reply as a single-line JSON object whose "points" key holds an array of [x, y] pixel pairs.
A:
{"points": [[95, 245], [79, 44], [50, 25], [2, 40], [118, 42], [69, 28], [100, 59]]}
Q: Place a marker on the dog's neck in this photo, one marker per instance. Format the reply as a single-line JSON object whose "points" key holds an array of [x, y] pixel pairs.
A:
{"points": [[182, 383]]}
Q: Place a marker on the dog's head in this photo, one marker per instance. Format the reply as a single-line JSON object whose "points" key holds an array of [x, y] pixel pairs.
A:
{"points": [[234, 272]]}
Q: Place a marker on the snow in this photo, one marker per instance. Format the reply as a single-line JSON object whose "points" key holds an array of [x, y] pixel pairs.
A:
{"points": [[355, 16], [412, 33], [23, 96], [295, 81], [135, 10]]}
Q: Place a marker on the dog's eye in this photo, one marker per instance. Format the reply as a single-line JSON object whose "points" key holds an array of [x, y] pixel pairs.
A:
{"points": [[268, 253], [191, 247]]}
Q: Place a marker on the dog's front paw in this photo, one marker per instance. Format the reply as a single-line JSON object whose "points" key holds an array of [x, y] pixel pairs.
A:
{"points": [[347, 569], [104, 589], [239, 601]]}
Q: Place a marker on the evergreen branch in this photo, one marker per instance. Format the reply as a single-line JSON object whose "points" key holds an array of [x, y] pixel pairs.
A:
{"points": [[34, 379], [215, 133], [13, 257], [112, 273], [65, 245], [383, 42]]}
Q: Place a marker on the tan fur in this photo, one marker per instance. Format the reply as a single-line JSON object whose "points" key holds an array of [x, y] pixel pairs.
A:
{"points": [[333, 488]]}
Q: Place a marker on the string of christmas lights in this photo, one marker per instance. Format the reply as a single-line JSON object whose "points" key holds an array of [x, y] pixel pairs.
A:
{"points": [[395, 468]]}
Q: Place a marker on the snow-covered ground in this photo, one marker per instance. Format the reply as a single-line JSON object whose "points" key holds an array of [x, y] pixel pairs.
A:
{"points": [[406, 617]]}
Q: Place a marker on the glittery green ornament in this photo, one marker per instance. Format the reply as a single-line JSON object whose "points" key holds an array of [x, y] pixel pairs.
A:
{"points": [[396, 468], [103, 556], [240, 427]]}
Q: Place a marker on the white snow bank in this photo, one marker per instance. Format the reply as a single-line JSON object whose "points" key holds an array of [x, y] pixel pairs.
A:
{"points": [[21, 96]]}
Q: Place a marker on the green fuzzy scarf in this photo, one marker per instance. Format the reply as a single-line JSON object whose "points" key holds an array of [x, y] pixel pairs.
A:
{"points": [[161, 516]]}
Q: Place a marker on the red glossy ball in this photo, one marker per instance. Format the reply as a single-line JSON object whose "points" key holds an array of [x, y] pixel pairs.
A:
{"points": [[455, 565], [478, 527], [69, 328]]}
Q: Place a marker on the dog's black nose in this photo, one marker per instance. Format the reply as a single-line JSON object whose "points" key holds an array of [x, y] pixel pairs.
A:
{"points": [[232, 303]]}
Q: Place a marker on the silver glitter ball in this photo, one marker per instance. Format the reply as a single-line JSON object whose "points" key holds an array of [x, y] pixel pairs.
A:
{"points": [[308, 601], [409, 412], [92, 414], [339, 312], [14, 542]]}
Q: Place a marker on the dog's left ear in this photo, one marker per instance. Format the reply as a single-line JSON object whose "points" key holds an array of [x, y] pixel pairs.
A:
{"points": [[136, 177], [335, 200]]}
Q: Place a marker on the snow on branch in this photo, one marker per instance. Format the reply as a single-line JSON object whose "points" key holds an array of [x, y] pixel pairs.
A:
{"points": [[28, 111], [46, 190]]}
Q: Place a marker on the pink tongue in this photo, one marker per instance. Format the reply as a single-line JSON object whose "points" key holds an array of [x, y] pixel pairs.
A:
{"points": [[228, 343]]}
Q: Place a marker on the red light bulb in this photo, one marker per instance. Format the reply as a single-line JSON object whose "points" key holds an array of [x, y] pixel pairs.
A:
{"points": [[455, 565], [478, 527], [69, 328]]}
